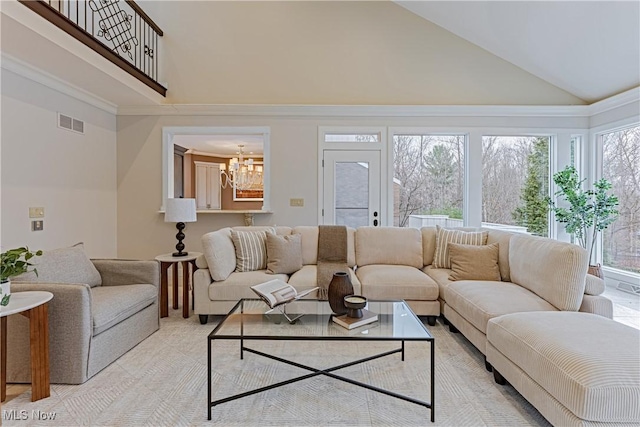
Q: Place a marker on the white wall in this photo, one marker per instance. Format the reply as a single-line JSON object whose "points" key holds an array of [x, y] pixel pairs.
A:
{"points": [[142, 232], [72, 176], [330, 53]]}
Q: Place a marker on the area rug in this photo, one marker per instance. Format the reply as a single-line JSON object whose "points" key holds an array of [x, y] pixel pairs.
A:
{"points": [[162, 382]]}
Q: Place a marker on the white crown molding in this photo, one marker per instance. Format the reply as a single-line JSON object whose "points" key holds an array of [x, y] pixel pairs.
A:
{"points": [[616, 101], [356, 110], [30, 72]]}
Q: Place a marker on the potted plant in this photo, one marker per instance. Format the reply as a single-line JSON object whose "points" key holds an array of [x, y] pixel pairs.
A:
{"points": [[13, 263], [589, 211]]}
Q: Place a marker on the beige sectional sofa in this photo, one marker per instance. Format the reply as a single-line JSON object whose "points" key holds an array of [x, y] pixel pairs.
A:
{"points": [[393, 262], [536, 277]]}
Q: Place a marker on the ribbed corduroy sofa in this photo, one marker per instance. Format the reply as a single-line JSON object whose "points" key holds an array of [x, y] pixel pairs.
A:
{"points": [[538, 278]]}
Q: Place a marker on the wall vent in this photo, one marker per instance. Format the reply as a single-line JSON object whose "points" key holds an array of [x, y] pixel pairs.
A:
{"points": [[629, 288], [69, 123]]}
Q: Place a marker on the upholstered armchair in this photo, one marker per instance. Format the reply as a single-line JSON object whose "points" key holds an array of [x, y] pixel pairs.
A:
{"points": [[99, 311]]}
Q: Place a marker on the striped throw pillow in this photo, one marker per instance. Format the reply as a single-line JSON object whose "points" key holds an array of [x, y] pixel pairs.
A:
{"points": [[251, 250], [444, 236]]}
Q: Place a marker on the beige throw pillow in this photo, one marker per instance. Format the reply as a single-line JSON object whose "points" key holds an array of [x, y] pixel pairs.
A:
{"points": [[444, 236], [284, 253], [473, 262], [251, 250]]}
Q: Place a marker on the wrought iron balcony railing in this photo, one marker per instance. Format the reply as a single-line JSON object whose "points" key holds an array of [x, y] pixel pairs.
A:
{"points": [[120, 31]]}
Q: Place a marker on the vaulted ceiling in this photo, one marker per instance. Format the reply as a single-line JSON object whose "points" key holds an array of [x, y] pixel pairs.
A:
{"points": [[358, 53], [590, 49]]}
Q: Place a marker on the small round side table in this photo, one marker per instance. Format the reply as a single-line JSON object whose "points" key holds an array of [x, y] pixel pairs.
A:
{"points": [[31, 304], [166, 261]]}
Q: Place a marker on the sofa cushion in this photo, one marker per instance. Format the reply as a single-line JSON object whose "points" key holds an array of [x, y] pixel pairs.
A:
{"points": [[396, 282], [220, 253], [590, 364], [555, 271], [63, 265], [470, 262], [440, 276], [310, 244], [250, 249], [111, 305], [238, 285], [284, 253], [593, 285], [502, 238], [429, 241], [478, 301], [307, 278], [444, 236], [389, 246]]}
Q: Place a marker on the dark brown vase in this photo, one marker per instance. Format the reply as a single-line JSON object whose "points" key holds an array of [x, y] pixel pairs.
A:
{"points": [[339, 287]]}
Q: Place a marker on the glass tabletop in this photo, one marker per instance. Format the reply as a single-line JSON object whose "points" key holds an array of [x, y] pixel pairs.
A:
{"points": [[248, 320]]}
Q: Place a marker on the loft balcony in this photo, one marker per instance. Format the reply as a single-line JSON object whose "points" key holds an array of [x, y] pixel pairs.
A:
{"points": [[120, 31], [104, 52]]}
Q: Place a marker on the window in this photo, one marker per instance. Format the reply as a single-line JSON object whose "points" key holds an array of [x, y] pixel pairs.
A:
{"points": [[428, 180], [515, 183], [351, 137], [621, 167]]}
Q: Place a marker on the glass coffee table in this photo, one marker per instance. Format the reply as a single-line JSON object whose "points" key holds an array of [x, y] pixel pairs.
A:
{"points": [[247, 321]]}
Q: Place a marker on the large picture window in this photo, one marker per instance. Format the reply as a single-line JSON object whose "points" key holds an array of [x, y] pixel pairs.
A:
{"points": [[621, 167], [428, 180], [515, 183]]}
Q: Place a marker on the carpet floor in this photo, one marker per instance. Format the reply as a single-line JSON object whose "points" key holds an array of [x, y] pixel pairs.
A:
{"points": [[162, 382]]}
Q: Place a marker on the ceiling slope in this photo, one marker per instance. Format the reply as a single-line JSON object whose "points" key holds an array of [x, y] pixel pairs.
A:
{"points": [[590, 49]]}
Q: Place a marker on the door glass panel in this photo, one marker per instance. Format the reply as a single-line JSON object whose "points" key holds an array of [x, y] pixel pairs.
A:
{"points": [[352, 194]]}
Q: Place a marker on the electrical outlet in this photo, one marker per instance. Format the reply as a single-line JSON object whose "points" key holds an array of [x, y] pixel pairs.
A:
{"points": [[296, 202], [36, 212], [37, 225]]}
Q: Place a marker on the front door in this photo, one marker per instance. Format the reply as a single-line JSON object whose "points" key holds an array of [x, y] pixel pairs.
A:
{"points": [[351, 186]]}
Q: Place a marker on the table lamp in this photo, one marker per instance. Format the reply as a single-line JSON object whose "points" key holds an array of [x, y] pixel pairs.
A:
{"points": [[180, 211]]}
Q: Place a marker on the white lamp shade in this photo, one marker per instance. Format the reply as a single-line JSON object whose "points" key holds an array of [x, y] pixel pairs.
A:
{"points": [[180, 210]]}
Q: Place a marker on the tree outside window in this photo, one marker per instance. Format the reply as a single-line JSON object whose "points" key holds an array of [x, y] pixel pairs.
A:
{"points": [[428, 176], [515, 182], [621, 167]]}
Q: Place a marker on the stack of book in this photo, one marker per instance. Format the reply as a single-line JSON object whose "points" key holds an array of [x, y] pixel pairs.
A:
{"points": [[354, 322]]}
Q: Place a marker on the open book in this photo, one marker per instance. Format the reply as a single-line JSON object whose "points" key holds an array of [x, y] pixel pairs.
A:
{"points": [[276, 292]]}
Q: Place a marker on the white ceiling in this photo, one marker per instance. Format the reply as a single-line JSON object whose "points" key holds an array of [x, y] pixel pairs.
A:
{"points": [[222, 145], [590, 49]]}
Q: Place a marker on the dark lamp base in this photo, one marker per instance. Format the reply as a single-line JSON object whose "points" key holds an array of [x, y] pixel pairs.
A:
{"points": [[177, 254]]}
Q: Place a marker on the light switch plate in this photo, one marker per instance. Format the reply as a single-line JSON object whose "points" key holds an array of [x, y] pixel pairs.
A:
{"points": [[36, 212], [296, 202], [37, 225]]}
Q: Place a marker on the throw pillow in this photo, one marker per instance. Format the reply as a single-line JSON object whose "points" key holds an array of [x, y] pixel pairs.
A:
{"points": [[284, 253], [220, 253], [444, 236], [472, 262], [63, 265], [251, 250]]}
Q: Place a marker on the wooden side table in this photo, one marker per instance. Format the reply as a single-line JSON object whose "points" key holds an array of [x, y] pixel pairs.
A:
{"points": [[31, 304], [166, 261]]}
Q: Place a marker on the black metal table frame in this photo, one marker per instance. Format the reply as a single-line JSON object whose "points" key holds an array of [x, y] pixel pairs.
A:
{"points": [[315, 372]]}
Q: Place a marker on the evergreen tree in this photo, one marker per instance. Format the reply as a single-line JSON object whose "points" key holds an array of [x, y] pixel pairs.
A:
{"points": [[533, 213]]}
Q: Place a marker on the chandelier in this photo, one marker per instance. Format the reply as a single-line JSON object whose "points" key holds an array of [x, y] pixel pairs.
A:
{"points": [[242, 173]]}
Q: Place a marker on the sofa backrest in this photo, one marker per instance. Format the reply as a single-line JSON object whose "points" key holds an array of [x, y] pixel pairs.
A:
{"points": [[219, 252], [309, 235], [389, 245], [502, 238], [555, 271]]}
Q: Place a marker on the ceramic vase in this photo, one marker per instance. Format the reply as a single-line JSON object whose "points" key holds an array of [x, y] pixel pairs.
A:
{"points": [[5, 293], [596, 270], [339, 287]]}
